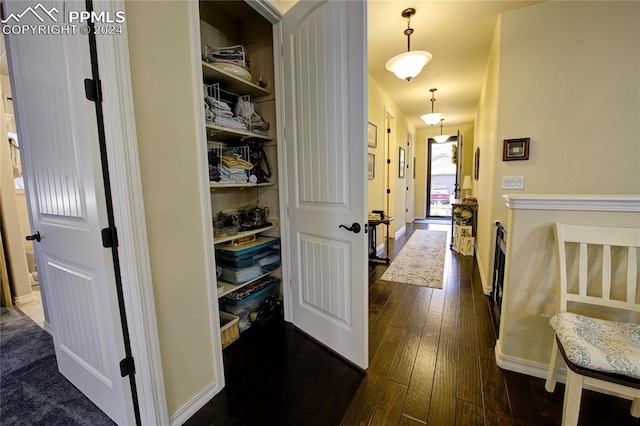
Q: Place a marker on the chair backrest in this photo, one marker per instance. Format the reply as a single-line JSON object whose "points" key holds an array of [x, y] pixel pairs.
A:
{"points": [[595, 254]]}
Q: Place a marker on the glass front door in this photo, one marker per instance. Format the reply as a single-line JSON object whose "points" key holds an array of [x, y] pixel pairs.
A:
{"points": [[441, 180]]}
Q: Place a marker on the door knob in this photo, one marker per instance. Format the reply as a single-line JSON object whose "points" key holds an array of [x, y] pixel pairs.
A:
{"points": [[35, 237], [355, 227]]}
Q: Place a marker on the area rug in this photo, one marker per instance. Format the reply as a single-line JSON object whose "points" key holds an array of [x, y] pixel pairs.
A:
{"points": [[32, 391], [421, 260]]}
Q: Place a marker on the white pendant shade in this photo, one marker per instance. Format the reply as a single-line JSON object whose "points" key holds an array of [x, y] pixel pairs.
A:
{"points": [[408, 65], [441, 138], [432, 118]]}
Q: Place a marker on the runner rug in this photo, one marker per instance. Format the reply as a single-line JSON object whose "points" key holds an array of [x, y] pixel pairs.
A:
{"points": [[421, 260]]}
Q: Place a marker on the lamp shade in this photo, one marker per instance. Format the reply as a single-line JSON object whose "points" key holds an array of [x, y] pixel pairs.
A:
{"points": [[441, 138], [408, 65], [466, 182], [432, 118]]}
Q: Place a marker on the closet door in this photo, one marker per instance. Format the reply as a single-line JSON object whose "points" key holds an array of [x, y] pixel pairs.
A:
{"points": [[58, 130], [324, 46]]}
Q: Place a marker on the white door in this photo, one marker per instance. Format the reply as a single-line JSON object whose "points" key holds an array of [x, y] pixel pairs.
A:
{"points": [[58, 132], [325, 75], [408, 183]]}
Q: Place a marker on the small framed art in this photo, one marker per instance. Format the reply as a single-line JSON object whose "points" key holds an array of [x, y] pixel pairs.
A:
{"points": [[371, 166], [372, 135], [515, 149], [401, 164]]}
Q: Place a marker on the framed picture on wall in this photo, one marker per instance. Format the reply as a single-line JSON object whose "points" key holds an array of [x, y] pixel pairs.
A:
{"points": [[401, 164], [515, 149], [372, 135], [371, 166]]}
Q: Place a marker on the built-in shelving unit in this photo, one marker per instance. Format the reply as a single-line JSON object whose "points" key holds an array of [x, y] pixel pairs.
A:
{"points": [[230, 288], [235, 84], [224, 134], [237, 23], [215, 185], [243, 234]]}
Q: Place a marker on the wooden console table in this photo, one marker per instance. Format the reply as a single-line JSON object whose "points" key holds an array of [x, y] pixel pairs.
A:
{"points": [[373, 252]]}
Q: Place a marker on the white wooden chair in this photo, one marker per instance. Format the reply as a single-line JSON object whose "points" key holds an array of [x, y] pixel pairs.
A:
{"points": [[600, 353]]}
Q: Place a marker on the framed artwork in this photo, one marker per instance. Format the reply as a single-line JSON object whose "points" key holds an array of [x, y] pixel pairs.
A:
{"points": [[476, 164], [371, 166], [515, 149], [372, 135], [401, 164]]}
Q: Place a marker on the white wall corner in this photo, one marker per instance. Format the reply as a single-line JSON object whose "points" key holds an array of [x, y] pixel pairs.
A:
{"points": [[187, 411], [486, 288], [522, 366]]}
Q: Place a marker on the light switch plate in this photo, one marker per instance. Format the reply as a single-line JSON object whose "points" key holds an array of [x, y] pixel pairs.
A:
{"points": [[512, 182]]}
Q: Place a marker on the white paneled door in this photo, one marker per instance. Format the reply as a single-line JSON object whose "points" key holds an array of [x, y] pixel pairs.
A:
{"points": [[59, 135], [324, 47]]}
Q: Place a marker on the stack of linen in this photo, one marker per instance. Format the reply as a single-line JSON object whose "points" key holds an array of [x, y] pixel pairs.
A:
{"points": [[234, 170], [219, 113]]}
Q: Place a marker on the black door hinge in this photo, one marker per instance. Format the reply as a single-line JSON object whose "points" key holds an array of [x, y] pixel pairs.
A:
{"points": [[93, 90], [127, 367], [109, 237], [388, 130]]}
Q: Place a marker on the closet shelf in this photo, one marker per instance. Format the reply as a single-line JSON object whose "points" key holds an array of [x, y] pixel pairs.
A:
{"points": [[215, 185], [230, 288], [243, 234], [231, 82], [223, 134]]}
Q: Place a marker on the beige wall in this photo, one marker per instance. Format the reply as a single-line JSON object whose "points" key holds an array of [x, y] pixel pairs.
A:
{"points": [[485, 143], [161, 67], [582, 120], [542, 82], [380, 105]]}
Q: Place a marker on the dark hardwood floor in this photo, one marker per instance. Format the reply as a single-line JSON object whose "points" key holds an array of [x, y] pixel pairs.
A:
{"points": [[432, 362]]}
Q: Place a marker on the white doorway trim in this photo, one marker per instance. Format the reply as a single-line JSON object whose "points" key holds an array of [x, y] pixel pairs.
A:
{"points": [[129, 212]]}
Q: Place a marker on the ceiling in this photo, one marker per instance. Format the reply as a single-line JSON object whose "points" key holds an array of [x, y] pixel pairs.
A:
{"points": [[457, 33]]}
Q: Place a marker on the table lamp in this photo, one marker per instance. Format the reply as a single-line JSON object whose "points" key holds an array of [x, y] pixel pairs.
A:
{"points": [[466, 185]]}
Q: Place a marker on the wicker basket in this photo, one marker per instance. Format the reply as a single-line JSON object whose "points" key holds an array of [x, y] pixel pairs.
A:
{"points": [[229, 330]]}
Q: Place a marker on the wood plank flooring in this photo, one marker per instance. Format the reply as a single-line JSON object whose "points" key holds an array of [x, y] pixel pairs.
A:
{"points": [[432, 362]]}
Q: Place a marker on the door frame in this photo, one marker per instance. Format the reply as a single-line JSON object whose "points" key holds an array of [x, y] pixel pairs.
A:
{"points": [[430, 142], [129, 214], [409, 197]]}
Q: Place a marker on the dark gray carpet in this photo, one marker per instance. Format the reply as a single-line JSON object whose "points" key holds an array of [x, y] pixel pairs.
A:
{"points": [[32, 391]]}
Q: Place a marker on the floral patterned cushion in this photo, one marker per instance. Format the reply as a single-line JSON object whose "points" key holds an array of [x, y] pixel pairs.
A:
{"points": [[609, 346]]}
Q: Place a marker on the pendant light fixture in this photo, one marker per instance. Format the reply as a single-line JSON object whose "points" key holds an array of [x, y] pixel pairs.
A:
{"points": [[408, 65], [441, 138], [434, 117]]}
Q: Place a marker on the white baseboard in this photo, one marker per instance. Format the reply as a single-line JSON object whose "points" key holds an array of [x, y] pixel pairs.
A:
{"points": [[525, 367], [535, 369], [379, 249], [485, 288], [21, 300], [400, 232], [185, 412], [47, 327]]}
